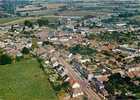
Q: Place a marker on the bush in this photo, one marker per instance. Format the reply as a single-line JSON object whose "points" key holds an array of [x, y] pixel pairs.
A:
{"points": [[25, 51], [42, 22], [28, 23], [5, 59]]}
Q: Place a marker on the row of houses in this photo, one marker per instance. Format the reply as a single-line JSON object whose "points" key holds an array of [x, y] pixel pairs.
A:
{"points": [[50, 57]]}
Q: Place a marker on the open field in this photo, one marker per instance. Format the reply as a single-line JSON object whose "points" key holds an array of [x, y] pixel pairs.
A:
{"points": [[55, 5], [9, 21], [20, 20], [82, 13], [6, 20], [24, 81], [137, 18]]}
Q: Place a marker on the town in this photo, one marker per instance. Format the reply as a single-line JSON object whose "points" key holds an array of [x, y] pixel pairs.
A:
{"points": [[83, 57]]}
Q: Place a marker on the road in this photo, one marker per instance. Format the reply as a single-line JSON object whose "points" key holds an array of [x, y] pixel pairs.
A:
{"points": [[132, 56], [84, 83]]}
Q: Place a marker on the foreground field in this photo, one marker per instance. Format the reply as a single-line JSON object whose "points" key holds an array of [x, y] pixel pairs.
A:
{"points": [[24, 81]]}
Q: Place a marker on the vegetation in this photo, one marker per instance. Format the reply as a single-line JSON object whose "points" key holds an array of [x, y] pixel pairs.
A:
{"points": [[56, 81], [42, 21], [25, 51], [25, 81], [119, 37], [27, 33], [21, 20], [5, 59], [28, 23], [34, 43], [139, 46], [120, 85], [137, 60], [83, 50], [6, 20]]}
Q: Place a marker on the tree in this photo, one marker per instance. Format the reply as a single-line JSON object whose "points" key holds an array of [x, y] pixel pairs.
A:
{"points": [[27, 33], [122, 85], [42, 22], [28, 23], [5, 59], [12, 28], [1, 51], [61, 94], [83, 50], [137, 59], [65, 86], [25, 51], [85, 98], [139, 48]]}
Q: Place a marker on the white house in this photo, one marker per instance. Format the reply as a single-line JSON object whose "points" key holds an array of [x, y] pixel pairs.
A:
{"points": [[76, 89], [84, 60]]}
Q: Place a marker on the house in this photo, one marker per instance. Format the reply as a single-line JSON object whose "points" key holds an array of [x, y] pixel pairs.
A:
{"points": [[61, 71], [55, 64], [66, 78], [43, 35], [41, 51], [78, 66], [70, 55], [2, 44], [39, 43], [76, 90], [28, 45], [47, 62], [99, 86], [19, 54], [85, 60], [64, 39], [134, 68], [125, 48], [90, 76]]}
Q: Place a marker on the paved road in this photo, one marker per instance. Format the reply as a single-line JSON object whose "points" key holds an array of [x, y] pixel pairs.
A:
{"points": [[84, 84]]}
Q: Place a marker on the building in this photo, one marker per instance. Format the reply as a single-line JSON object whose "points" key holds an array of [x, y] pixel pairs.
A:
{"points": [[7, 6], [76, 90], [1, 8], [99, 86]]}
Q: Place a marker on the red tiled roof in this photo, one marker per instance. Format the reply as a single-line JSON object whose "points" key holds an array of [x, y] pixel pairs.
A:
{"points": [[134, 74]]}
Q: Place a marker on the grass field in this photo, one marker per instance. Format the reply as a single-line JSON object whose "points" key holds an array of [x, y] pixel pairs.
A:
{"points": [[10, 21], [24, 81], [6, 20], [137, 18], [55, 5], [20, 20]]}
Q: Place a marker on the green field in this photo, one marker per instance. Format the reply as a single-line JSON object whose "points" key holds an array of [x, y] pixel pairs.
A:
{"points": [[10, 21], [20, 20], [6, 20], [24, 81]]}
